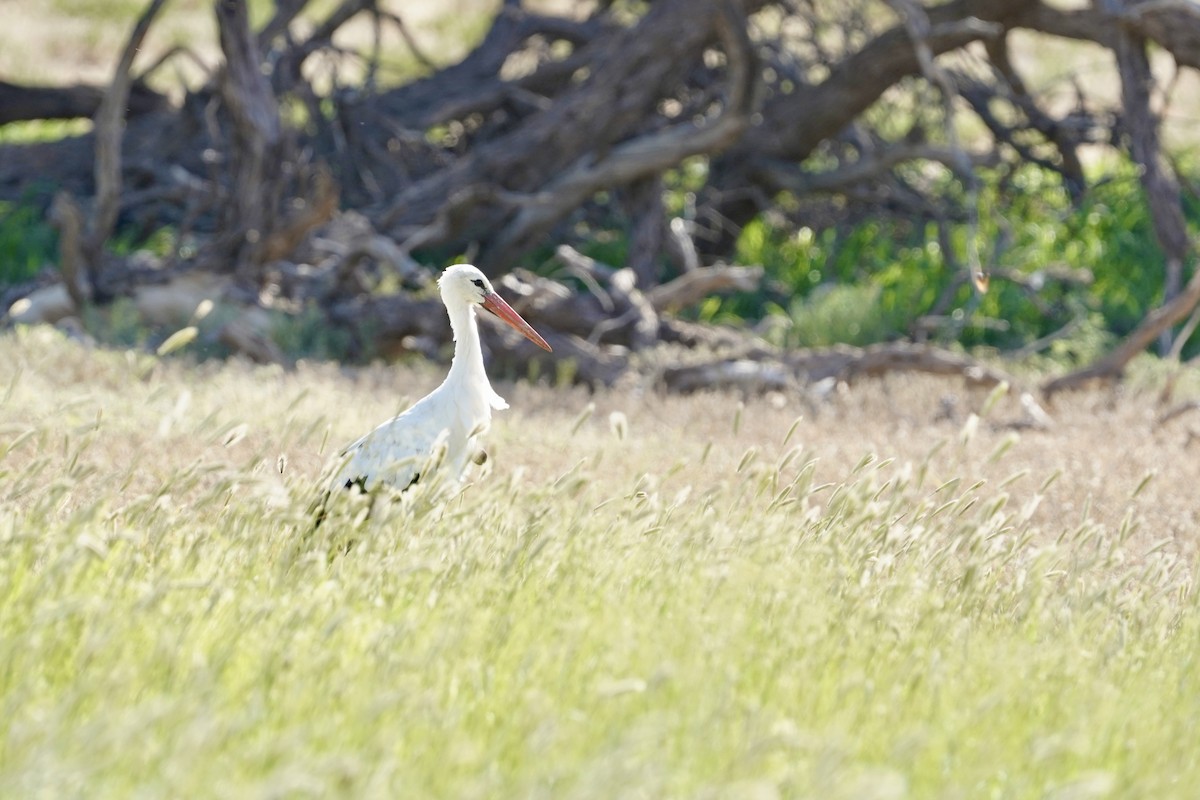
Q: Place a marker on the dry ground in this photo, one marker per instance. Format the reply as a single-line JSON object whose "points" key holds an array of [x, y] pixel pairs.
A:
{"points": [[1101, 448], [1103, 443]]}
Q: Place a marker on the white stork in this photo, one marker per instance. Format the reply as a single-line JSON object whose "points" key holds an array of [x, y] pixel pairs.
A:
{"points": [[442, 429]]}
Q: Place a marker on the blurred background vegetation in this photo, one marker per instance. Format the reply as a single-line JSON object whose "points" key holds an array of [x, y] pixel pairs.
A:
{"points": [[1072, 271]]}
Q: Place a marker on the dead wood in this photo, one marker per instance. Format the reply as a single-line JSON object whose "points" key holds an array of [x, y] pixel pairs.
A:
{"points": [[555, 129], [475, 85], [1163, 194], [20, 103], [841, 363], [1170, 24], [1157, 177], [692, 287], [1176, 411], [626, 308], [294, 229], [561, 156], [709, 338], [260, 197], [109, 124], [248, 334], [258, 151], [648, 226], [740, 374], [68, 219], [846, 363], [385, 325], [1112, 365], [553, 305], [574, 359], [795, 123]]}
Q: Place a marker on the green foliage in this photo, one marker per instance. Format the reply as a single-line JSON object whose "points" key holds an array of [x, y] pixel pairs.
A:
{"points": [[836, 313], [858, 285], [1089, 340], [606, 248], [118, 324], [308, 334], [884, 274], [159, 242], [27, 243]]}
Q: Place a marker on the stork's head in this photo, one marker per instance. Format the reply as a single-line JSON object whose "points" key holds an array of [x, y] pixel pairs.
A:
{"points": [[465, 285]]}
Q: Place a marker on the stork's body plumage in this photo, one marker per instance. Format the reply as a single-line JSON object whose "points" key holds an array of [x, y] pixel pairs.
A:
{"points": [[442, 430]]}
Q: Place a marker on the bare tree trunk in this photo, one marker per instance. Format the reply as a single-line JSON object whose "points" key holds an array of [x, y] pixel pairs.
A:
{"points": [[110, 129], [1166, 212], [1158, 180], [259, 147], [649, 225]]}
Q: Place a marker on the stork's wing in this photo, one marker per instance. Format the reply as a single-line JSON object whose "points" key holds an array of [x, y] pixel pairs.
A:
{"points": [[394, 454]]}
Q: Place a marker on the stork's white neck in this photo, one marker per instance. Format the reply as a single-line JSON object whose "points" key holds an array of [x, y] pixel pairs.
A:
{"points": [[467, 375], [467, 365]]}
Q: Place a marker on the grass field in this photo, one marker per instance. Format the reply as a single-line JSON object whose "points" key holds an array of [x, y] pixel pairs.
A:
{"points": [[888, 593], [642, 597]]}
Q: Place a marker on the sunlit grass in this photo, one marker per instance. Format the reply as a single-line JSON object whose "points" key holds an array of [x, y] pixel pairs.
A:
{"points": [[618, 609], [42, 130]]}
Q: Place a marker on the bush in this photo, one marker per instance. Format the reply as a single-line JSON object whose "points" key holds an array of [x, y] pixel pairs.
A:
{"points": [[27, 243], [890, 271]]}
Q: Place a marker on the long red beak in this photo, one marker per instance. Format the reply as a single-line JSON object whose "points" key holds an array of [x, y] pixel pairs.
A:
{"points": [[495, 304]]}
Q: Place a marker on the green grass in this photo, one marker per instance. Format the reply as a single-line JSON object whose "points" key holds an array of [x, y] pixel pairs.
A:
{"points": [[42, 130], [708, 611]]}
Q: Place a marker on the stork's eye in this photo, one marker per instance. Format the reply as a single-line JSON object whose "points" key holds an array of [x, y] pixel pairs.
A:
{"points": [[478, 282]]}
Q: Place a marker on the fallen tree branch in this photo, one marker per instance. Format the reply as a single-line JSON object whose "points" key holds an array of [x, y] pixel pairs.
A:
{"points": [[784, 175], [840, 363], [741, 374], [680, 245], [596, 134], [1170, 24], [847, 363], [574, 359], [794, 124], [691, 287], [21, 103], [1113, 364], [627, 307], [1166, 213], [1040, 344], [647, 155]]}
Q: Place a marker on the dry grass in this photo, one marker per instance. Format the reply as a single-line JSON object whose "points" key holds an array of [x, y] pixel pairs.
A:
{"points": [[645, 595], [1103, 444], [67, 41]]}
